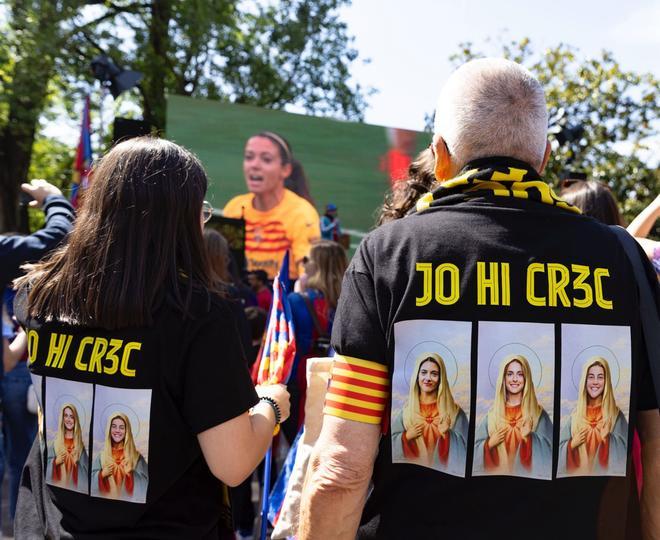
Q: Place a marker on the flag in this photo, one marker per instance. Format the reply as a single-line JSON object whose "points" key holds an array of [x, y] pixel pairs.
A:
{"points": [[83, 162], [276, 499], [275, 362], [279, 346]]}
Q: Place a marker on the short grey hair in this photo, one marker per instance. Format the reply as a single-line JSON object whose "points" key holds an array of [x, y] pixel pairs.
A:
{"points": [[493, 107]]}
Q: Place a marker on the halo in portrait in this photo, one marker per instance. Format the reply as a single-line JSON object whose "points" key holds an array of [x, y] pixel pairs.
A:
{"points": [[587, 354], [132, 416], [451, 365], [511, 349], [62, 400]]}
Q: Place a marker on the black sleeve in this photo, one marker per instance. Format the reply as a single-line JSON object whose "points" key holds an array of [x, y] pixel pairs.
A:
{"points": [[357, 330], [217, 386], [647, 399], [649, 387], [18, 250], [649, 381], [242, 324]]}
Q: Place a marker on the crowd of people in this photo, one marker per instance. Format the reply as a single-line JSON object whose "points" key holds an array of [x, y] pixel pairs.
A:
{"points": [[137, 331]]}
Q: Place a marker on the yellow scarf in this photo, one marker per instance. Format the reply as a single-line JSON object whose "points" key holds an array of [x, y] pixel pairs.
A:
{"points": [[502, 177]]}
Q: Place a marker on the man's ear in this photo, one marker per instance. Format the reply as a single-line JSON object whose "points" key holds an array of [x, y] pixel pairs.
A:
{"points": [[443, 165], [546, 156]]}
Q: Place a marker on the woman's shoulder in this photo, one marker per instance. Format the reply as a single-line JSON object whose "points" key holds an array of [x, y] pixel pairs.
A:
{"points": [[234, 208], [544, 416], [299, 298], [621, 418], [298, 205]]}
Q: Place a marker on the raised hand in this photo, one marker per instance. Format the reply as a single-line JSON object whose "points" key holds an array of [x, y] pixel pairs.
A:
{"points": [[444, 424], [497, 438], [604, 428], [39, 189], [60, 457], [579, 438], [108, 470], [415, 431]]}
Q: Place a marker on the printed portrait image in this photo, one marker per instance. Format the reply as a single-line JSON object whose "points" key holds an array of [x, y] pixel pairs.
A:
{"points": [[431, 394], [121, 444], [595, 399], [68, 411], [515, 399]]}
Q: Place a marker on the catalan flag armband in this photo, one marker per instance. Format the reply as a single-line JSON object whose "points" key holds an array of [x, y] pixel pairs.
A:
{"points": [[358, 390]]}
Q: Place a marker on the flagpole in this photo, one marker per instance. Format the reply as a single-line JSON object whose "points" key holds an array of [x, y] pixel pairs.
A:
{"points": [[276, 370], [266, 496]]}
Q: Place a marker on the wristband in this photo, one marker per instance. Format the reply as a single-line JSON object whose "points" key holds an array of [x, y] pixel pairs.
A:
{"points": [[275, 406]]}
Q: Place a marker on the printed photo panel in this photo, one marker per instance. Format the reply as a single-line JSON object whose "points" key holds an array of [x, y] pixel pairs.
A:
{"points": [[121, 444], [68, 409], [515, 400], [595, 400], [431, 394]]}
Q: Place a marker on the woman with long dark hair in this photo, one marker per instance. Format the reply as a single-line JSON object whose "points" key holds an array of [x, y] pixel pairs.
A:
{"points": [[129, 307]]}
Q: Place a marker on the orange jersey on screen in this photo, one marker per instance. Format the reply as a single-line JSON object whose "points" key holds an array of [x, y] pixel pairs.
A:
{"points": [[292, 225]]}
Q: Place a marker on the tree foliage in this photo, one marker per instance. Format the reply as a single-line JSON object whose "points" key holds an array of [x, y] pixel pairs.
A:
{"points": [[616, 112], [285, 52]]}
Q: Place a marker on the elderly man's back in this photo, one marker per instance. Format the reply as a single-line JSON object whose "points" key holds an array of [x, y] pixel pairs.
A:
{"points": [[493, 338], [505, 254]]}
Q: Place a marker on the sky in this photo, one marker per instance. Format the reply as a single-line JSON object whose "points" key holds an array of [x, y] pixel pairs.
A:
{"points": [[409, 42]]}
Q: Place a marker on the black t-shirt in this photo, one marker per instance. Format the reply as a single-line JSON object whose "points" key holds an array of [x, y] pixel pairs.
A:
{"points": [[121, 414], [470, 302]]}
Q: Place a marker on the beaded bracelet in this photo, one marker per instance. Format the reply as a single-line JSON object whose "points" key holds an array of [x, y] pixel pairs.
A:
{"points": [[275, 406]]}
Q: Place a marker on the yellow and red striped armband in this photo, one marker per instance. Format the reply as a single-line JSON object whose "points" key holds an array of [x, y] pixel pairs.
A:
{"points": [[359, 390]]}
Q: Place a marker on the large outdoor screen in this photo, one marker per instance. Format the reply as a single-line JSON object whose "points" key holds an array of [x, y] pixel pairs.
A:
{"points": [[346, 163]]}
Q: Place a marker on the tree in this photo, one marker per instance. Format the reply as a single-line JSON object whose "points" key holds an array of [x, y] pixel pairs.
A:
{"points": [[27, 63], [292, 52], [610, 113]]}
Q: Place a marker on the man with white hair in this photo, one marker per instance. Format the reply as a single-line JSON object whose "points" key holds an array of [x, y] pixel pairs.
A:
{"points": [[492, 247]]}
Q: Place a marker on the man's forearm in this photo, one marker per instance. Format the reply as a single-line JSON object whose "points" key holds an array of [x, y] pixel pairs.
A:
{"points": [[337, 479], [332, 502]]}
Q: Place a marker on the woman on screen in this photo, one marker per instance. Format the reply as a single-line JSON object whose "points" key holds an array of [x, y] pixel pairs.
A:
{"points": [[276, 219]]}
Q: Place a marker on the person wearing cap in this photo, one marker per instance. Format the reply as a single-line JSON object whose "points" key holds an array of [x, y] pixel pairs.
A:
{"points": [[490, 256], [330, 229], [276, 219]]}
